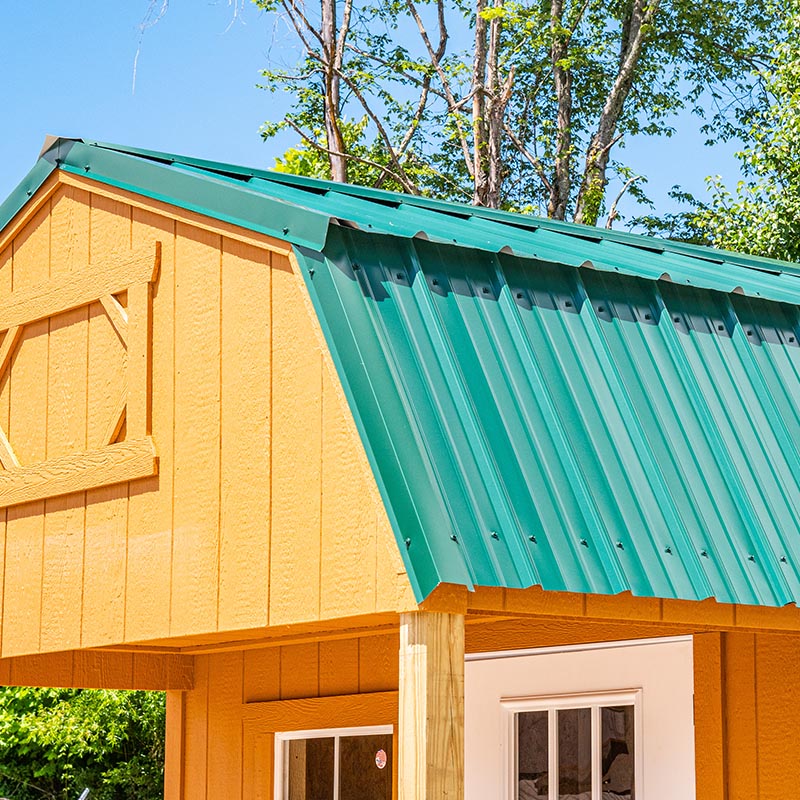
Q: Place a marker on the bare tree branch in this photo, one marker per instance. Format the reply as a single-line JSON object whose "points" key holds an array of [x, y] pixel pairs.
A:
{"points": [[437, 65], [613, 213], [529, 157]]}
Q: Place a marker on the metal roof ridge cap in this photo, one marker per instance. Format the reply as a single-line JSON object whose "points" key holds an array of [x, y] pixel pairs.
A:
{"points": [[25, 190], [74, 163]]}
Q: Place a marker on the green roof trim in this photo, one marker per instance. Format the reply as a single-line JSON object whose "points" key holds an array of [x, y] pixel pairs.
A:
{"points": [[542, 403]]}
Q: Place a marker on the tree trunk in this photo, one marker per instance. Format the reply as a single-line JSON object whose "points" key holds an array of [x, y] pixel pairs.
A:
{"points": [[562, 79], [634, 32], [480, 154], [333, 133]]}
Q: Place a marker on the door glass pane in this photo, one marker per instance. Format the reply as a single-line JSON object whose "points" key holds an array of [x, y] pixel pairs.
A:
{"points": [[309, 769], [365, 767], [532, 755], [618, 750], [574, 752]]}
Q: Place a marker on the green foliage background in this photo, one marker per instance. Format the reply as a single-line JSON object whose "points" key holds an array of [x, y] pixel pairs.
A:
{"points": [[56, 742]]}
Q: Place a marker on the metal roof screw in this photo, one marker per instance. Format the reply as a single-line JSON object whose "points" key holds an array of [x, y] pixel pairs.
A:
{"points": [[495, 535], [311, 272], [704, 553], [86, 168], [751, 557], [434, 282], [749, 333], [791, 338], [648, 316], [356, 266], [399, 276], [408, 543], [285, 231], [532, 539], [568, 304], [29, 192], [600, 309], [454, 537], [485, 290], [676, 319], [620, 546], [668, 550], [584, 543], [519, 295], [783, 560]]}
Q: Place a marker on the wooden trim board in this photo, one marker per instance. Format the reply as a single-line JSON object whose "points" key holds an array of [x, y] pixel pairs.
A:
{"points": [[313, 713], [56, 296], [115, 463]]}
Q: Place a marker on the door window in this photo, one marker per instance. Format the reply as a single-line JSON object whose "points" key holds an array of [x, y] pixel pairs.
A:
{"points": [[346, 764], [574, 748]]}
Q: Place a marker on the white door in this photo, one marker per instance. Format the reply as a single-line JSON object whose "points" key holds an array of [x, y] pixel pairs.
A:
{"points": [[596, 722]]}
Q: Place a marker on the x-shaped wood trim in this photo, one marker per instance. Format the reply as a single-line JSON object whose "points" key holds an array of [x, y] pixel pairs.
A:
{"points": [[134, 273]]}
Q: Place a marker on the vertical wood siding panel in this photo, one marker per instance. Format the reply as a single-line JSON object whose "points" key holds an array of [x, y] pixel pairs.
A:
{"points": [[195, 574], [173, 747], [348, 520], [65, 517], [245, 446], [709, 722], [27, 433], [258, 766], [296, 453], [777, 714], [262, 675], [150, 539], [107, 507], [299, 671], [197, 733], [338, 667], [6, 268], [225, 725], [741, 732], [378, 663]]}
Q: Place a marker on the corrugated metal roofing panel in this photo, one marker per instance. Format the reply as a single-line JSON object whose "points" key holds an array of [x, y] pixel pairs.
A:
{"points": [[577, 429]]}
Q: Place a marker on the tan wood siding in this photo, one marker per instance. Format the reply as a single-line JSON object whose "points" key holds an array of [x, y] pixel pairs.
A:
{"points": [[263, 512]]}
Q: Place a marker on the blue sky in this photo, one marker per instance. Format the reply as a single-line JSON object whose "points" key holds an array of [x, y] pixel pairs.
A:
{"points": [[68, 70]]}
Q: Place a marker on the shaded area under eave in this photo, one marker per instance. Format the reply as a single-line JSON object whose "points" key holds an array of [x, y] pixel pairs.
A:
{"points": [[535, 424]]}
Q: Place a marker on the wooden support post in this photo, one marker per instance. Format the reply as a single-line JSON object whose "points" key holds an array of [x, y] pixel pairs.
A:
{"points": [[431, 707]]}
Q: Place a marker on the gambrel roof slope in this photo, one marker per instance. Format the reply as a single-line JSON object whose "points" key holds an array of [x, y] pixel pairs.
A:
{"points": [[542, 403]]}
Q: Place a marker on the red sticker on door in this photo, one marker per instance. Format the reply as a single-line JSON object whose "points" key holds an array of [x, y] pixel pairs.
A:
{"points": [[380, 759]]}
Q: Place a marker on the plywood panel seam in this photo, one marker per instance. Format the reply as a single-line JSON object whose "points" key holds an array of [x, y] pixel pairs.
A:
{"points": [[271, 426], [174, 406], [321, 486], [220, 433], [755, 716]]}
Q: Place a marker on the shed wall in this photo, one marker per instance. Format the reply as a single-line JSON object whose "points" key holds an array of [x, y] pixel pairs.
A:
{"points": [[747, 709], [216, 753], [264, 511]]}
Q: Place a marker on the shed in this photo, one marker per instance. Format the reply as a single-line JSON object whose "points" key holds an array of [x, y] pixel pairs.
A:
{"points": [[398, 498]]}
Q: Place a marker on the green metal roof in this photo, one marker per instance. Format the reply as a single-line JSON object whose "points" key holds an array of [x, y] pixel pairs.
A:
{"points": [[541, 403]]}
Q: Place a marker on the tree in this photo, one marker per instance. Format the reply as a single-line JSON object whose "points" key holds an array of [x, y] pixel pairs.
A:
{"points": [[532, 114], [762, 214], [56, 742]]}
